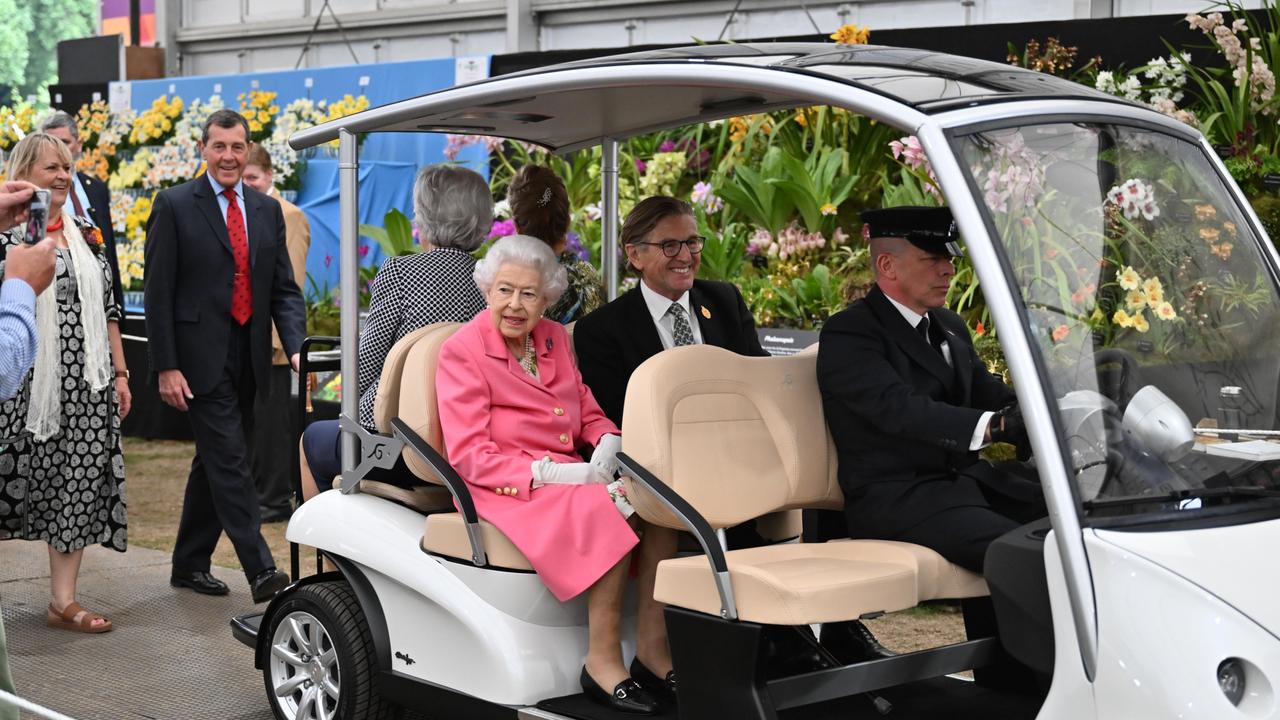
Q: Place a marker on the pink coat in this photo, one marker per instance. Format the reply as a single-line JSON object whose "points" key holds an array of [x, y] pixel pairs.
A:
{"points": [[497, 420]]}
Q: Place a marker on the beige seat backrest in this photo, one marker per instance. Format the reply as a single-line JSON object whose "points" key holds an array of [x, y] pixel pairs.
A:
{"points": [[386, 404], [735, 436], [417, 403]]}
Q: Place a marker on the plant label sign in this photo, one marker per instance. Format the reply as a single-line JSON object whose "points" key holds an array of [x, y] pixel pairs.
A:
{"points": [[781, 342]]}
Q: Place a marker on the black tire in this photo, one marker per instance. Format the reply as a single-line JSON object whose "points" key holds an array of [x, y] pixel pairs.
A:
{"points": [[318, 639]]}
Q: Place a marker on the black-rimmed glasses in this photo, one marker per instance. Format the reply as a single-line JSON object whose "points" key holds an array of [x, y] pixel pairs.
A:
{"points": [[671, 248]]}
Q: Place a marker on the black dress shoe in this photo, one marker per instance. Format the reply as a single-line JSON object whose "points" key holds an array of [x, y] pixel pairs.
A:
{"points": [[851, 642], [627, 697], [662, 688], [200, 581], [273, 515], [267, 583]]}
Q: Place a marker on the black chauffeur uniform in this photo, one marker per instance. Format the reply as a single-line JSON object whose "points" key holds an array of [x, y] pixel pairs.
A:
{"points": [[908, 406]]}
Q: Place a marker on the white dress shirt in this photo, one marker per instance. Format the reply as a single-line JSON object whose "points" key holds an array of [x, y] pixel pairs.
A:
{"points": [[913, 319], [223, 202], [658, 307]]}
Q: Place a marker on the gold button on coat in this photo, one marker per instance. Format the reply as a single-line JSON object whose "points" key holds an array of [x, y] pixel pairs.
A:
{"points": [[558, 411], [564, 438]]}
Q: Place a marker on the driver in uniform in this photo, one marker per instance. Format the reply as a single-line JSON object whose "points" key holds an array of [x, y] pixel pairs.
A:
{"points": [[909, 404]]}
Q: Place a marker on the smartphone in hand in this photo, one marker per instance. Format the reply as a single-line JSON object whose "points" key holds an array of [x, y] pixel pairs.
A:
{"points": [[37, 217]]}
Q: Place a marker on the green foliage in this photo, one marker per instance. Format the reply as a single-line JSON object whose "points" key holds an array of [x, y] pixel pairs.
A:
{"points": [[757, 195], [815, 186], [51, 21], [396, 237], [811, 299], [14, 32], [724, 253]]}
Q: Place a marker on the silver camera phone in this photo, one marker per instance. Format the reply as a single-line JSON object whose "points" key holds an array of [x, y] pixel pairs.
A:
{"points": [[37, 217]]}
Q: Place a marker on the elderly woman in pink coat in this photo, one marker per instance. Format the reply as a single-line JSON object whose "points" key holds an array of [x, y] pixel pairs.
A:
{"points": [[514, 413]]}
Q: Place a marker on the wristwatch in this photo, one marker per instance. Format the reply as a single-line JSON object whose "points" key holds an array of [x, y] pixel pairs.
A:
{"points": [[122, 374]]}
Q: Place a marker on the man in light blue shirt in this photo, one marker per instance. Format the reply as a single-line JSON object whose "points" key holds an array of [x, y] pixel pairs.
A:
{"points": [[28, 269]]}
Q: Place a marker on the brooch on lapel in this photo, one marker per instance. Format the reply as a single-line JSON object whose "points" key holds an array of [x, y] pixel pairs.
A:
{"points": [[549, 344], [705, 312]]}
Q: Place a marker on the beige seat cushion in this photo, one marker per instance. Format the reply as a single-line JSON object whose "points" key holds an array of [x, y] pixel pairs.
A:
{"points": [[792, 584], [425, 498], [386, 404], [447, 535], [936, 577], [417, 407]]}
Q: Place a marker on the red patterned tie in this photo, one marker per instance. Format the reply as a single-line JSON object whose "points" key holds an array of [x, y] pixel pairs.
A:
{"points": [[241, 291]]}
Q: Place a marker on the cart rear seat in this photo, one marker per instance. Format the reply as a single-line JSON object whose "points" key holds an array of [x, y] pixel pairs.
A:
{"points": [[739, 437]]}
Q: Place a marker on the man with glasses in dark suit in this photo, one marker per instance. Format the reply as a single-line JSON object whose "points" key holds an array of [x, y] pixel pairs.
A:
{"points": [[668, 308]]}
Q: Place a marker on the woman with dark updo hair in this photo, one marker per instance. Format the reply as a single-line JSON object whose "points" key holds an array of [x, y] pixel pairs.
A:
{"points": [[540, 208]]}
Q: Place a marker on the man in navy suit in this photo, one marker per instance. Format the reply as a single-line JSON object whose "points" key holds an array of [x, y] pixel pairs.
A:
{"points": [[218, 274]]}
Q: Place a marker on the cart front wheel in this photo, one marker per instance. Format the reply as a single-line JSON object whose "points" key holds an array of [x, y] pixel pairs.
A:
{"points": [[321, 660]]}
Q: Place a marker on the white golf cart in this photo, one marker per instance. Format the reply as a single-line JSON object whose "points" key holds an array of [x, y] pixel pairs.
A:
{"points": [[1136, 298]]}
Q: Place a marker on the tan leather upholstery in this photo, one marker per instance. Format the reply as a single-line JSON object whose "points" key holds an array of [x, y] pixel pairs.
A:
{"points": [[386, 404], [417, 404], [447, 535], [739, 437], [791, 584], [425, 499]]}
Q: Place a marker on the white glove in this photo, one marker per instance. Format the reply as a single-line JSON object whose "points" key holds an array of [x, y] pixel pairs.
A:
{"points": [[546, 472], [605, 456]]}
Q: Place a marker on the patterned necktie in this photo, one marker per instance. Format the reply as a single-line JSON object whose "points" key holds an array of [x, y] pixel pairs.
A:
{"points": [[241, 290], [680, 329]]}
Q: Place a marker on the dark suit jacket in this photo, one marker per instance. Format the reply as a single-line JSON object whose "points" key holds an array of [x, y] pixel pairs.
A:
{"points": [[189, 275], [901, 418], [99, 211], [612, 341]]}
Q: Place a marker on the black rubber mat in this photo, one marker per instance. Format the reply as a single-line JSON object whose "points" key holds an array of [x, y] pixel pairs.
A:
{"points": [[927, 700]]}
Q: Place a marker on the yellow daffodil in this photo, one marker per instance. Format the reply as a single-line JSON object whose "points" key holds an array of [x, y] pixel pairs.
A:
{"points": [[1135, 300], [1165, 311], [1122, 318], [1140, 323]]}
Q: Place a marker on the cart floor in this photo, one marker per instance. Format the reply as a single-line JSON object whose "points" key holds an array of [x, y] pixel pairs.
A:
{"points": [[934, 699]]}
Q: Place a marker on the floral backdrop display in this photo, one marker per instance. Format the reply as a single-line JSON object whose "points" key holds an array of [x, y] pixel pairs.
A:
{"points": [[778, 195]]}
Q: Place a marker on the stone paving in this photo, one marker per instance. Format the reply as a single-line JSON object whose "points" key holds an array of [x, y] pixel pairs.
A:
{"points": [[170, 657]]}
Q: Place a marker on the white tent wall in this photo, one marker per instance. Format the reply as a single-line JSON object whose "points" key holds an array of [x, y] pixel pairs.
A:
{"points": [[216, 37]]}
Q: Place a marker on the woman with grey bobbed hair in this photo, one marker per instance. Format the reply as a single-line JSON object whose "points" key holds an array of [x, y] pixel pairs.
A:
{"points": [[514, 414], [453, 211]]}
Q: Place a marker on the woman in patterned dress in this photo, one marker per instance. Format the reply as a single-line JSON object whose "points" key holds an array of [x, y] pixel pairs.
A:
{"points": [[61, 463], [453, 211], [540, 208]]}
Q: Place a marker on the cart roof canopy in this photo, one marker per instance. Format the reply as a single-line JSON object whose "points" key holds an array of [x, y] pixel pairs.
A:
{"points": [[572, 105]]}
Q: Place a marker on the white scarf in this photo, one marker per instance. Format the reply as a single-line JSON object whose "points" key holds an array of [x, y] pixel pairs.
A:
{"points": [[44, 410]]}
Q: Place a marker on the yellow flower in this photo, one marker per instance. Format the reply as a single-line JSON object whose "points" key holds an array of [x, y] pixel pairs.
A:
{"points": [[1165, 311], [1135, 300], [1122, 318], [827, 209], [852, 35], [1140, 323], [1209, 235], [1154, 291], [1205, 212], [1129, 278]]}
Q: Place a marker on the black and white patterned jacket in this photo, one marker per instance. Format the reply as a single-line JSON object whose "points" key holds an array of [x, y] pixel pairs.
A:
{"points": [[409, 292]]}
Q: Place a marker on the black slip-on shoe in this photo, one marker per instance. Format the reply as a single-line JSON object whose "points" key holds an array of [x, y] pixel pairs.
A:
{"points": [[627, 696], [200, 581], [267, 583]]}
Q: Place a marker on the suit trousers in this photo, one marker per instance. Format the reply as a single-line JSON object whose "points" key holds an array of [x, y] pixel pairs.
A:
{"points": [[962, 534], [273, 443], [220, 492]]}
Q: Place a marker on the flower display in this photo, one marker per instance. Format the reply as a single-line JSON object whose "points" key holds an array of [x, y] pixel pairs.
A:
{"points": [[132, 173], [15, 123], [155, 124], [1135, 198], [661, 173], [91, 122], [259, 110], [704, 196], [852, 35]]}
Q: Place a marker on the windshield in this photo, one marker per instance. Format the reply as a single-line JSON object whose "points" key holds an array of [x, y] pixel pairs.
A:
{"points": [[1151, 304]]}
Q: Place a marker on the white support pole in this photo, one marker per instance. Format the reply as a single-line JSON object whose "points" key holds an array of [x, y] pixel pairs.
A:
{"points": [[349, 290], [609, 216]]}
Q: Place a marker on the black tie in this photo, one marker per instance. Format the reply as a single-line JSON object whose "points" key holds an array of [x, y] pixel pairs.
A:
{"points": [[933, 338]]}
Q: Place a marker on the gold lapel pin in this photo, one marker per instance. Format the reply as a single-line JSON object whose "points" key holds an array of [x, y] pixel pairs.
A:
{"points": [[705, 312]]}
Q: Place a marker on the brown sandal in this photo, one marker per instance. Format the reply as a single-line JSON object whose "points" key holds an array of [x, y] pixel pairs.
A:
{"points": [[66, 620]]}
